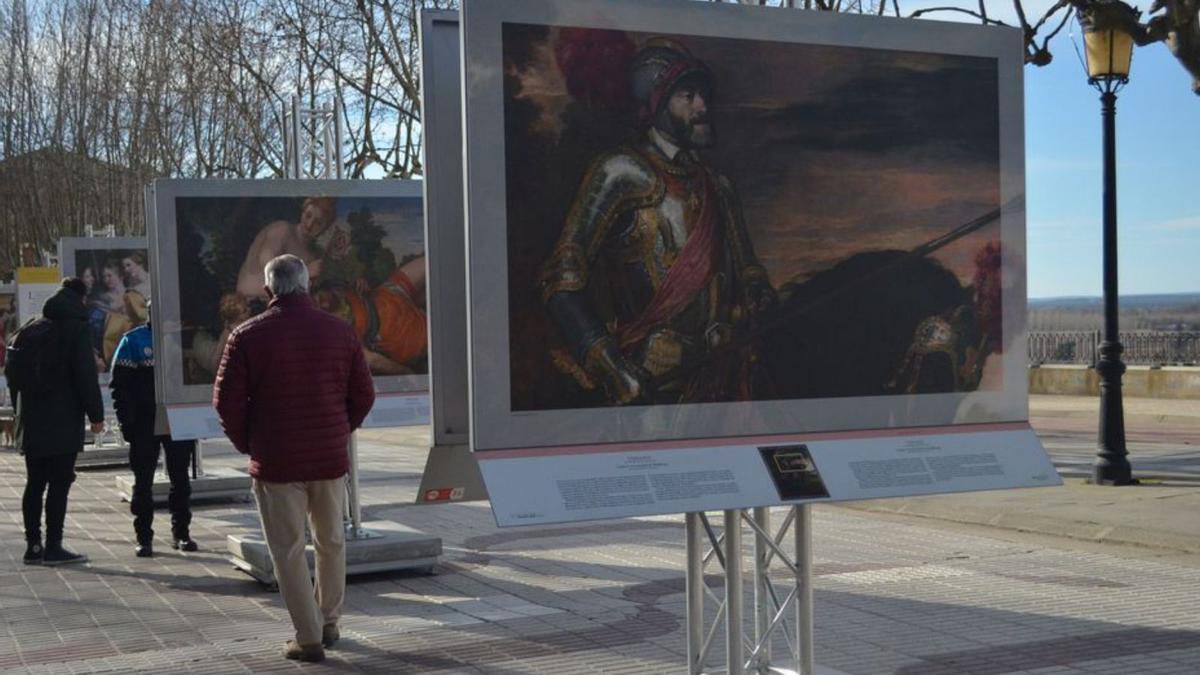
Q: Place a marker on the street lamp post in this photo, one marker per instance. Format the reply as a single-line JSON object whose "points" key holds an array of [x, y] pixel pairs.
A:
{"points": [[1108, 29]]}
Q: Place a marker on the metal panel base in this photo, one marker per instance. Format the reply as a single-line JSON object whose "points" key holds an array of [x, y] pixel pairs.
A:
{"points": [[214, 484], [382, 546], [819, 670], [451, 475], [103, 457]]}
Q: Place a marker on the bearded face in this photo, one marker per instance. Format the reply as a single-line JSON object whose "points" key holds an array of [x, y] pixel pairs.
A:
{"points": [[684, 116]]}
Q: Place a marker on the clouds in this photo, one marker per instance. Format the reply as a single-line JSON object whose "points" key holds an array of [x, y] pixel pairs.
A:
{"points": [[950, 108], [542, 85], [403, 221], [1184, 224]]}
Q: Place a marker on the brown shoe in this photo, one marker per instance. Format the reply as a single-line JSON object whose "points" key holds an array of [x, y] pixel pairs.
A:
{"points": [[308, 653], [329, 635]]}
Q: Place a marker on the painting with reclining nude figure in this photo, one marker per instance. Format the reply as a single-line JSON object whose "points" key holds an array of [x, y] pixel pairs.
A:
{"points": [[365, 257]]}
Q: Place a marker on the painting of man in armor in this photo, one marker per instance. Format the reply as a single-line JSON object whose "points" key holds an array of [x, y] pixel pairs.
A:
{"points": [[365, 258], [699, 219]]}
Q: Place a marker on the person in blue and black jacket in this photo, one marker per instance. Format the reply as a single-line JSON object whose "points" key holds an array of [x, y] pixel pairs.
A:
{"points": [[133, 399]]}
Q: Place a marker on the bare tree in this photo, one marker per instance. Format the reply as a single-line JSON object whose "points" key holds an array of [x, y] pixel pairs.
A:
{"points": [[101, 96]]}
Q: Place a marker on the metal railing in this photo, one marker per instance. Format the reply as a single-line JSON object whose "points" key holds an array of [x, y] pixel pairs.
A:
{"points": [[1142, 347]]}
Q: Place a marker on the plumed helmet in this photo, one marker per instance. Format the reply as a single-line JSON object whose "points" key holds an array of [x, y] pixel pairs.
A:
{"points": [[658, 66]]}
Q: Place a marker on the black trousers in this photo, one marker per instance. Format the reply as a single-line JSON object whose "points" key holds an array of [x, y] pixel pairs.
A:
{"points": [[56, 472], [143, 459]]}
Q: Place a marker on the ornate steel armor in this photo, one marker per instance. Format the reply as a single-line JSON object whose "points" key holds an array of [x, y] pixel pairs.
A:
{"points": [[629, 224]]}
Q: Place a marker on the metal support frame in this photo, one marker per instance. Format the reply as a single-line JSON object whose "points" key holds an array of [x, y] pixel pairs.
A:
{"points": [[312, 148], [108, 231], [198, 460], [354, 528], [352, 519], [313, 140], [750, 652]]}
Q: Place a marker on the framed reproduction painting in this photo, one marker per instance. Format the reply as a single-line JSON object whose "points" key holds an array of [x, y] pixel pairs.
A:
{"points": [[364, 245]]}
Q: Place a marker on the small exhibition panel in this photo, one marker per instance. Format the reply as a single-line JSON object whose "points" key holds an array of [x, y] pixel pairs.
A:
{"points": [[118, 276], [364, 244]]}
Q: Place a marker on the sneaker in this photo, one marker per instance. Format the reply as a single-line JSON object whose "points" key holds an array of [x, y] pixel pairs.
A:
{"points": [[55, 554], [144, 550], [329, 635], [308, 653], [185, 544], [33, 554]]}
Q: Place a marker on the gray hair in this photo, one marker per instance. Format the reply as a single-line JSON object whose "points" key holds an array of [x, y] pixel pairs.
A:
{"points": [[286, 275]]}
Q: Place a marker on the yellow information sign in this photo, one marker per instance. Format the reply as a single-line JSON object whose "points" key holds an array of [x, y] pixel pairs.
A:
{"points": [[38, 275]]}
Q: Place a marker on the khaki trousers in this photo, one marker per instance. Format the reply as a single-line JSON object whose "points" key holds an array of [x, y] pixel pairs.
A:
{"points": [[283, 508]]}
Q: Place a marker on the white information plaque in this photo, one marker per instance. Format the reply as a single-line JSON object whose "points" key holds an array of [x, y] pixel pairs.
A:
{"points": [[199, 420], [616, 482]]}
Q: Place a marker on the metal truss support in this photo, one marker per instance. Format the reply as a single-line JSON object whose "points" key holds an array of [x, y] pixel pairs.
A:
{"points": [[762, 583], [312, 148], [780, 608], [198, 459], [312, 140], [694, 591], [354, 528], [93, 231]]}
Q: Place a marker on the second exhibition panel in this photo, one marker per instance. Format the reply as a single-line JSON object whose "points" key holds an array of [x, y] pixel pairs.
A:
{"points": [[364, 246]]}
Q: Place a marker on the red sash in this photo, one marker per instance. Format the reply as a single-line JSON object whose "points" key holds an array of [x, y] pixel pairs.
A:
{"points": [[688, 275]]}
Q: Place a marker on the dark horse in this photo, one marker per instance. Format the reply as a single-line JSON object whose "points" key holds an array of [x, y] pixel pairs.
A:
{"points": [[874, 324]]}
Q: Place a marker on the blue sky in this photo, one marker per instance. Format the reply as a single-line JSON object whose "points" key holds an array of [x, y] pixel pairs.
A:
{"points": [[1158, 143]]}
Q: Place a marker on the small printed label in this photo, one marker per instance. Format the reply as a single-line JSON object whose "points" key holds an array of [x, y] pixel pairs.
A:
{"points": [[444, 494], [194, 422]]}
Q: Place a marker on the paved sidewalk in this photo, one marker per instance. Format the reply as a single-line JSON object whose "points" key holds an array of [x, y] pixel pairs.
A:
{"points": [[1161, 512], [894, 595], [1163, 435]]}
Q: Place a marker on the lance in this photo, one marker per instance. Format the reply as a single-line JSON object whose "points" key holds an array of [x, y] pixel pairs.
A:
{"points": [[793, 313]]}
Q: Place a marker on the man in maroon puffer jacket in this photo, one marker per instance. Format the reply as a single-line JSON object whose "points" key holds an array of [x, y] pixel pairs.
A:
{"points": [[292, 386]]}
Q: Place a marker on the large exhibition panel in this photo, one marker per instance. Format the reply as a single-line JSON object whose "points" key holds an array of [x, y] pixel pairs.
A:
{"points": [[724, 256], [364, 246]]}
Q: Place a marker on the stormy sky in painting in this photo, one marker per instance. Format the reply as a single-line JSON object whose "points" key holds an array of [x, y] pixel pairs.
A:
{"points": [[833, 150]]}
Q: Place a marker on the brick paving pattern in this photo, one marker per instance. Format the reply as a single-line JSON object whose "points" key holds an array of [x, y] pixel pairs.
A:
{"points": [[892, 596]]}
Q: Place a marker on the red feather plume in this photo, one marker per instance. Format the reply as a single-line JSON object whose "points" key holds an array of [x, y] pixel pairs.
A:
{"points": [[987, 285], [595, 64]]}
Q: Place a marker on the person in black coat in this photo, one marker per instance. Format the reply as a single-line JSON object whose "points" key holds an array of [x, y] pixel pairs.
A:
{"points": [[133, 399], [49, 431]]}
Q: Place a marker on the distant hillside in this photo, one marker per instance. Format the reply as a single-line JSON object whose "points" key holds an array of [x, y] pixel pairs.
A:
{"points": [[1164, 311]]}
